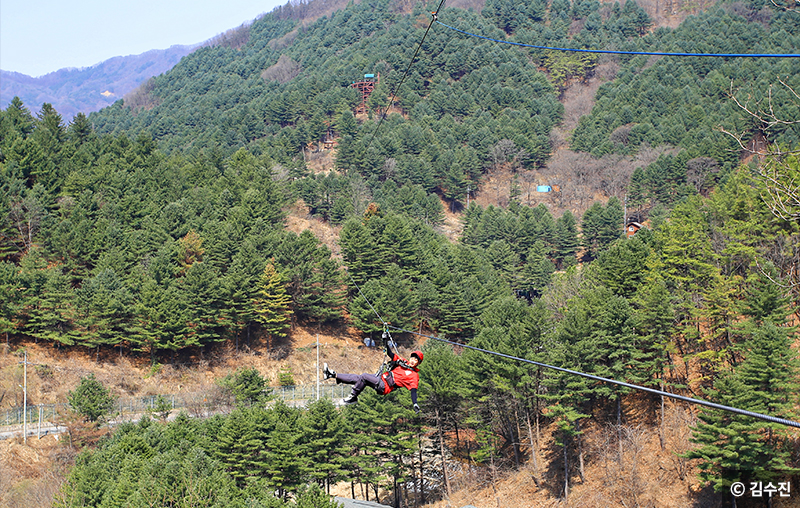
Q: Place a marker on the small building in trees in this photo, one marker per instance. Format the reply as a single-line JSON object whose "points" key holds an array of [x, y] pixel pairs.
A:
{"points": [[632, 228]]}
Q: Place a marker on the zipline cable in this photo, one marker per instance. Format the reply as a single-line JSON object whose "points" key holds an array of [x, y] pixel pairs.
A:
{"points": [[405, 74], [383, 366], [385, 324], [724, 55], [714, 405], [691, 400]]}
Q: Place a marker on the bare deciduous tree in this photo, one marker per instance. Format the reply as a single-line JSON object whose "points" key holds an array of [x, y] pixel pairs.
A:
{"points": [[506, 151], [699, 172], [779, 168], [677, 424], [27, 215], [787, 5], [360, 194], [623, 474], [284, 70]]}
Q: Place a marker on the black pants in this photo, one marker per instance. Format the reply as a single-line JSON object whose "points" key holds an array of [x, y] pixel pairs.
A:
{"points": [[361, 381]]}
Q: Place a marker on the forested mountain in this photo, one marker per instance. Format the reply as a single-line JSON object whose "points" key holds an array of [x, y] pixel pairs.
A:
{"points": [[89, 89], [160, 228], [468, 102]]}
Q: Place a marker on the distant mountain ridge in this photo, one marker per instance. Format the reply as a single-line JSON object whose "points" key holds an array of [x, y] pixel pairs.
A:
{"points": [[92, 88]]}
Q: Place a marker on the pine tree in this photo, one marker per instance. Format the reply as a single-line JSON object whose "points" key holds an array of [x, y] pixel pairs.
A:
{"points": [[324, 442], [45, 301], [360, 252], [439, 383], [538, 268], [10, 298], [162, 316], [623, 267], [612, 226], [284, 467], [314, 497], [654, 321], [396, 303], [240, 288], [505, 261], [247, 386], [494, 385], [105, 308], [455, 187], [566, 418], [363, 316], [566, 241], [91, 399], [314, 280], [440, 377], [591, 229], [364, 463], [240, 443], [383, 433], [201, 287], [733, 447], [399, 245], [454, 312], [615, 351], [472, 220], [272, 305], [18, 120], [686, 258], [80, 129], [764, 300]]}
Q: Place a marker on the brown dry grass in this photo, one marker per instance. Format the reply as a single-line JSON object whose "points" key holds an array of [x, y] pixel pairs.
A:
{"points": [[644, 474], [30, 474], [299, 220], [56, 372], [580, 178]]}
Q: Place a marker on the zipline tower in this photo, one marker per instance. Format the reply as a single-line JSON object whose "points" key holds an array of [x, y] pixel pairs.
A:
{"points": [[366, 86]]}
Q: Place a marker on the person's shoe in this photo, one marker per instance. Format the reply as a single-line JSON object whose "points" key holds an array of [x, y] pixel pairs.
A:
{"points": [[351, 399], [326, 372]]}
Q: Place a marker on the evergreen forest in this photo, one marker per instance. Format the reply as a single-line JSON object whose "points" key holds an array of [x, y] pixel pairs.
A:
{"points": [[157, 227]]}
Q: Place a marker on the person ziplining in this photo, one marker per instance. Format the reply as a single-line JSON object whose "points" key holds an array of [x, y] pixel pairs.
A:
{"points": [[400, 373]]}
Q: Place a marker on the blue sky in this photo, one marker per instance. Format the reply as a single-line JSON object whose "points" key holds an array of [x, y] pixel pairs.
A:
{"points": [[41, 36]]}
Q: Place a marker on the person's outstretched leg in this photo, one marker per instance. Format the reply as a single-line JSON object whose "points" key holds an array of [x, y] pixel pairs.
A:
{"points": [[359, 382]]}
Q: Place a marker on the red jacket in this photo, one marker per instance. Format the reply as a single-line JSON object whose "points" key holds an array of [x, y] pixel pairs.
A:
{"points": [[402, 376]]}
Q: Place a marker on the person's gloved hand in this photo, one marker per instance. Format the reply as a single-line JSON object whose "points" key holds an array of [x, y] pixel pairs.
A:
{"points": [[385, 335], [416, 408]]}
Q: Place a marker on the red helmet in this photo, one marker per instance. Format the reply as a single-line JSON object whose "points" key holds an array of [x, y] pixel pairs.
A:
{"points": [[418, 354]]}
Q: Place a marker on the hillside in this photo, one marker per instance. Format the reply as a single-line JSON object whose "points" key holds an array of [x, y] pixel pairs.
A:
{"points": [[252, 197], [285, 91], [648, 474]]}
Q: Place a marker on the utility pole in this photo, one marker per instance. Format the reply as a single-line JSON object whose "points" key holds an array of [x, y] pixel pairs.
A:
{"points": [[25, 400], [625, 214], [317, 366], [468, 189]]}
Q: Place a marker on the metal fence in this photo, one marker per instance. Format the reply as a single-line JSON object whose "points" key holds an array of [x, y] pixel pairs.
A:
{"points": [[295, 395], [37, 413], [196, 403]]}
